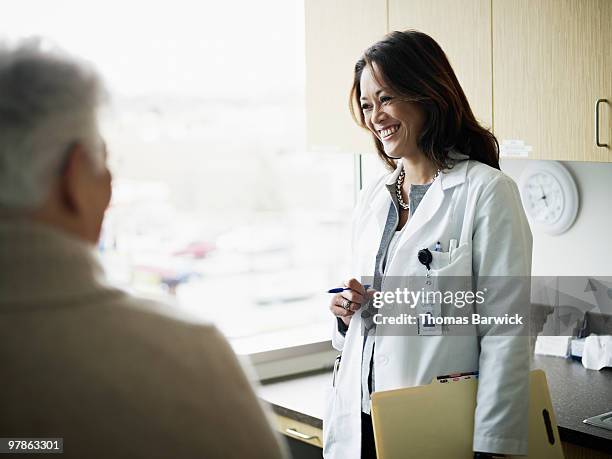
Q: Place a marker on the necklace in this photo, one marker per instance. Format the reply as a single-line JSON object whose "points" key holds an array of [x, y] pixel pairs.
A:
{"points": [[398, 188]]}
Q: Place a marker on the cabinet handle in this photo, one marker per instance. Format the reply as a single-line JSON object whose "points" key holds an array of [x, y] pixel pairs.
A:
{"points": [[599, 101], [300, 435]]}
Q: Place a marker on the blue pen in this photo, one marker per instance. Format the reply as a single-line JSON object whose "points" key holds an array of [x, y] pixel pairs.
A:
{"points": [[340, 289]]}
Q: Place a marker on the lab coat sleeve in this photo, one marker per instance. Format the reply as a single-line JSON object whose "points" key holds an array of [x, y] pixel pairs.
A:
{"points": [[337, 337], [339, 332], [502, 246]]}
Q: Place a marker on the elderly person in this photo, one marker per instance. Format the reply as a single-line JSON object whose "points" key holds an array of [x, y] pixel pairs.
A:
{"points": [[113, 375]]}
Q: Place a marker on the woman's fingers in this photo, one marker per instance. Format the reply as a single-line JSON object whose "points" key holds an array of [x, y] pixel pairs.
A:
{"points": [[352, 296], [339, 311], [343, 306], [355, 286], [346, 303]]}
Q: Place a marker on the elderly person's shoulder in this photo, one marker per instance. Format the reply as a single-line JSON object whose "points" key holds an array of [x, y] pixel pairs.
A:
{"points": [[148, 327], [154, 310], [155, 371], [166, 321]]}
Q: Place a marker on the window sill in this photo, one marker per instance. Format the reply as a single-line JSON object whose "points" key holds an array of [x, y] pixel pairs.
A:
{"points": [[278, 363]]}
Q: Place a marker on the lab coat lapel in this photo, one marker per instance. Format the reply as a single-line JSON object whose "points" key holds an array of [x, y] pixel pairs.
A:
{"points": [[380, 208], [379, 205], [434, 197], [426, 210]]}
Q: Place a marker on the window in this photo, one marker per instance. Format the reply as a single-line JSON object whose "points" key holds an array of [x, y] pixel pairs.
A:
{"points": [[216, 204]]}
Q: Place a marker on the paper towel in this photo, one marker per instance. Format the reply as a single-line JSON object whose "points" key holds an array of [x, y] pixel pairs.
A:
{"points": [[597, 352]]}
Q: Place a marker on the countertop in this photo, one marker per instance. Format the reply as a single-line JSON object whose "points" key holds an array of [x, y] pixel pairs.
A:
{"points": [[576, 393], [301, 398]]}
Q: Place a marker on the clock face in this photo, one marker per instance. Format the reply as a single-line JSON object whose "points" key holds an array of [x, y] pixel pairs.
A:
{"points": [[549, 195], [543, 198]]}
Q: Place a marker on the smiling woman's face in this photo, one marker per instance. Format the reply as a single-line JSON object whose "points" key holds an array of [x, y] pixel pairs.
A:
{"points": [[395, 122]]}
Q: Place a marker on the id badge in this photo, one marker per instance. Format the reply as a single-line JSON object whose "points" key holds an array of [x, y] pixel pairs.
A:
{"points": [[429, 310]]}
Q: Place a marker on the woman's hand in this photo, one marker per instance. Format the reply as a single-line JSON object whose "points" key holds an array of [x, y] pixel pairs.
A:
{"points": [[344, 304]]}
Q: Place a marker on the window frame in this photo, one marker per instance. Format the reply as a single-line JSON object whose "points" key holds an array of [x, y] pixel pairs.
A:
{"points": [[305, 358]]}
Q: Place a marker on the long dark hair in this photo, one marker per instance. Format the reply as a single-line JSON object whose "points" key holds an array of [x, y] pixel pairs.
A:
{"points": [[416, 68]]}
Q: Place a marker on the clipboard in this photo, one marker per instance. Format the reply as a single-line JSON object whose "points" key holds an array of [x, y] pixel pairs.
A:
{"points": [[404, 423]]}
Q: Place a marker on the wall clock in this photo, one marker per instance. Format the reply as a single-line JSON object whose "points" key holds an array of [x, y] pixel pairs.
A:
{"points": [[549, 195]]}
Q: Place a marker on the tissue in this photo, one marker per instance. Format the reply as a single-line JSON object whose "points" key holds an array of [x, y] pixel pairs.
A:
{"points": [[597, 352]]}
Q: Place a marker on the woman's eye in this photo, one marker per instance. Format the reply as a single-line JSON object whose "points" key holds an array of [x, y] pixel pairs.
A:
{"points": [[385, 99], [365, 107]]}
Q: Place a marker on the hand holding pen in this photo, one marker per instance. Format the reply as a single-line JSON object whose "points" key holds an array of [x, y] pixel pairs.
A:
{"points": [[348, 299]]}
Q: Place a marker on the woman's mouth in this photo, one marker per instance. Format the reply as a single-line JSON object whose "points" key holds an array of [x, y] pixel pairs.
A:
{"points": [[388, 132]]}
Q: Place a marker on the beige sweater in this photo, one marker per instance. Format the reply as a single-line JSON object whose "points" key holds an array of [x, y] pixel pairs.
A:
{"points": [[115, 376]]}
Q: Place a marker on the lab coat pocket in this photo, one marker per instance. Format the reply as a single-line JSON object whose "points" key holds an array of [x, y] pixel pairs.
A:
{"points": [[453, 270], [440, 260], [455, 263]]}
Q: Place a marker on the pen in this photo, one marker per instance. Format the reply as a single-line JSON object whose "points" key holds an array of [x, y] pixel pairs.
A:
{"points": [[340, 289], [438, 246]]}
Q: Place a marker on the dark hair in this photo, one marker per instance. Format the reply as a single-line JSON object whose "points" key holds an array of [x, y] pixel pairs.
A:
{"points": [[414, 66]]}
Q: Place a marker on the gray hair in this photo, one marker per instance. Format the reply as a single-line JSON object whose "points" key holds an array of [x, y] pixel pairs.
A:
{"points": [[48, 103]]}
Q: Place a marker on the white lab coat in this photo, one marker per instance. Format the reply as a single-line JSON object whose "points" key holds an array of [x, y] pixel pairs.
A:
{"points": [[495, 240]]}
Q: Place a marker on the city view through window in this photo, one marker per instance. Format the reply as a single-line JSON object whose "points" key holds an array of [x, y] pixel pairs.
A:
{"points": [[217, 206]]}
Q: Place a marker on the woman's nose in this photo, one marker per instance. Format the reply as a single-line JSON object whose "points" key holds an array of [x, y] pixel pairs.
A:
{"points": [[378, 114]]}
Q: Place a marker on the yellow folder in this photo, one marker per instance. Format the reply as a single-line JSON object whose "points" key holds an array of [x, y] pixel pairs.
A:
{"points": [[408, 422]]}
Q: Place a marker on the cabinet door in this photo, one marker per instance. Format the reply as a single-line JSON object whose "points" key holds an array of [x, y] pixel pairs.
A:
{"points": [[337, 33], [552, 60], [463, 30]]}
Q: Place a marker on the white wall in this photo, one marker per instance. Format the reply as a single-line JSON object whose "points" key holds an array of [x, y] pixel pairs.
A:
{"points": [[586, 248]]}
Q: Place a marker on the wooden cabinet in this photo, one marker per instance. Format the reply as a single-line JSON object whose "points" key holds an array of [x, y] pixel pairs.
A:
{"points": [[572, 451], [299, 431], [463, 30], [337, 33], [552, 60], [533, 71]]}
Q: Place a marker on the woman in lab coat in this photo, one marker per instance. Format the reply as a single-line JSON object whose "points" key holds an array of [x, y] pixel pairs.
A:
{"points": [[444, 185]]}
